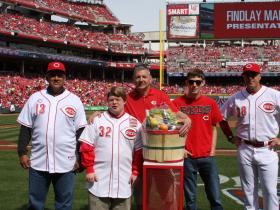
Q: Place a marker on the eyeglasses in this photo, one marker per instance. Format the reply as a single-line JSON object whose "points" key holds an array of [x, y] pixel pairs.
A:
{"points": [[197, 82]]}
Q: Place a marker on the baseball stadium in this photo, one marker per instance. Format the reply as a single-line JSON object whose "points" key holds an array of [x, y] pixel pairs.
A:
{"points": [[100, 52]]}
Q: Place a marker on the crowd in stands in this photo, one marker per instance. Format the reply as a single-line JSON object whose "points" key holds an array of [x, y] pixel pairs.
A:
{"points": [[222, 58], [67, 34], [96, 13], [17, 89]]}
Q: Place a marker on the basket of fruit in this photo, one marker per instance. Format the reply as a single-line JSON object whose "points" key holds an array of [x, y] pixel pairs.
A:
{"points": [[162, 142]]}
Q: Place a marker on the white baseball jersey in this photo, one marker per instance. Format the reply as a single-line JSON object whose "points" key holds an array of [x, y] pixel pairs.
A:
{"points": [[114, 140], [54, 122], [258, 114], [257, 120]]}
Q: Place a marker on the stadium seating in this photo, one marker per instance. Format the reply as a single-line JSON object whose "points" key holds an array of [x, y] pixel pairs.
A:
{"points": [[94, 13], [212, 58], [17, 89], [18, 25]]}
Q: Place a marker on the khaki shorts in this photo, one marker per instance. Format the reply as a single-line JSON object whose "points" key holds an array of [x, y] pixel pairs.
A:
{"points": [[100, 203]]}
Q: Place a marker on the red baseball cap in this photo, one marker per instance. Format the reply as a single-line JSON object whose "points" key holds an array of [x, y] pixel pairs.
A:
{"points": [[253, 67], [56, 66]]}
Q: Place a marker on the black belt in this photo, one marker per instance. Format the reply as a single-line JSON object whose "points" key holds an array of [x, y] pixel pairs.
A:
{"points": [[257, 143]]}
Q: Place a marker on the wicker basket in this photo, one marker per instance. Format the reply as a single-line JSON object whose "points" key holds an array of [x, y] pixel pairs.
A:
{"points": [[163, 146]]}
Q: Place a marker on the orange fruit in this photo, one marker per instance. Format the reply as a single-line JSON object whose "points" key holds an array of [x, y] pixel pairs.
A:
{"points": [[163, 127]]}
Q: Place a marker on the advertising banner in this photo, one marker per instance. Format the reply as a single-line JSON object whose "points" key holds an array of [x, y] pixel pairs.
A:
{"points": [[182, 21], [183, 27], [240, 20], [182, 9], [247, 20]]}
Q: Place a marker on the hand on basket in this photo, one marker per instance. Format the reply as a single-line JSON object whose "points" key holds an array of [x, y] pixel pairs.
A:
{"points": [[185, 127]]}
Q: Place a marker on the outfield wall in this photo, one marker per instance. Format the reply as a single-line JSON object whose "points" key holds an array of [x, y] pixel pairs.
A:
{"points": [[220, 99]]}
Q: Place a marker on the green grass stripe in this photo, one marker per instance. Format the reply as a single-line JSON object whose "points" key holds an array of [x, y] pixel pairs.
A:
{"points": [[4, 132], [8, 136], [12, 140], [8, 119], [163, 148], [13, 130]]}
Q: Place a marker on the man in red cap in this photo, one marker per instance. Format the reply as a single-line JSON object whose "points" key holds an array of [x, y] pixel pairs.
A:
{"points": [[257, 109], [53, 120]]}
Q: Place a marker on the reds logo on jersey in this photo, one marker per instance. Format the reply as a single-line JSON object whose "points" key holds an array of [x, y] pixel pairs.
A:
{"points": [[129, 133], [267, 106], [205, 117], [69, 111]]}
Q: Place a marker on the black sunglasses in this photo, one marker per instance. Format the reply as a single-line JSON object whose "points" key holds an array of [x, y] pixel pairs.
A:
{"points": [[197, 82]]}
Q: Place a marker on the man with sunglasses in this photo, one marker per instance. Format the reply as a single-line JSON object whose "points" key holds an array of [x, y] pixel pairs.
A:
{"points": [[257, 110], [200, 142], [53, 120]]}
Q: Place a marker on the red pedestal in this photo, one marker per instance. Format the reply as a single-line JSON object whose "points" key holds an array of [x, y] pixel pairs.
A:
{"points": [[163, 186]]}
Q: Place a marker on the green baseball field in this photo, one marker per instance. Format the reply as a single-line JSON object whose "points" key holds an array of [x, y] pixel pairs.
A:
{"points": [[14, 179]]}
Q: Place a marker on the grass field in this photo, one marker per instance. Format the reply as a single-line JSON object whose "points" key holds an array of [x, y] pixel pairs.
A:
{"points": [[14, 182], [14, 179]]}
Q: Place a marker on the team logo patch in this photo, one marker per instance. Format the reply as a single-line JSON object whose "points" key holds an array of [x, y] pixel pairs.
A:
{"points": [[129, 133], [39, 101], [248, 65], [57, 65], [69, 111], [267, 106], [205, 117]]}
